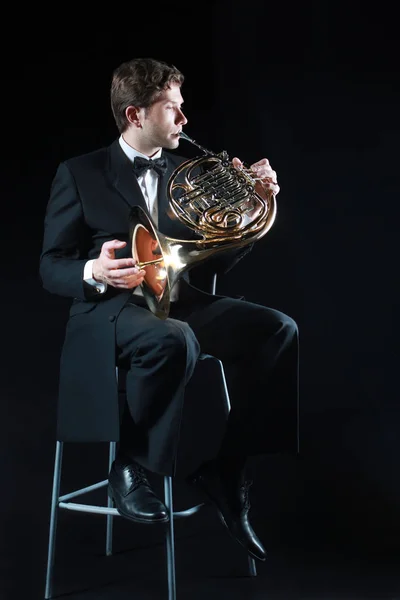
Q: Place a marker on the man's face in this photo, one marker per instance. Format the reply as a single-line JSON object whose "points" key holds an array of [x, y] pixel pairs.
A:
{"points": [[162, 122]]}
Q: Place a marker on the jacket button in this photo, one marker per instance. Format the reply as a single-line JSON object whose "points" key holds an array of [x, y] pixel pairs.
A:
{"points": [[112, 318]]}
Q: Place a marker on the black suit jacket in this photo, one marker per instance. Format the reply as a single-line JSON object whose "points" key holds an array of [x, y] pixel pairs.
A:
{"points": [[90, 202]]}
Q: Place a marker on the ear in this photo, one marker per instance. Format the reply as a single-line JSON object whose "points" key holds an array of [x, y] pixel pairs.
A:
{"points": [[133, 115]]}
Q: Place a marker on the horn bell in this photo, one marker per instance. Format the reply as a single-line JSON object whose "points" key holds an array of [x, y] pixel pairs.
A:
{"points": [[164, 259]]}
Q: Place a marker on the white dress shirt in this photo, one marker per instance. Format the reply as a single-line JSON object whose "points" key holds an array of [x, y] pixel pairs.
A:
{"points": [[148, 183]]}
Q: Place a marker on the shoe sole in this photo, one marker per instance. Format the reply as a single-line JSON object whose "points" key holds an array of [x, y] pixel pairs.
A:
{"points": [[137, 519]]}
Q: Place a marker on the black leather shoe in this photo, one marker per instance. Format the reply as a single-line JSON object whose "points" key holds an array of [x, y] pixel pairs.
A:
{"points": [[132, 494], [233, 505]]}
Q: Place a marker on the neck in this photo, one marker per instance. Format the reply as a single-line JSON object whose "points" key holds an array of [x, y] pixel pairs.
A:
{"points": [[139, 144]]}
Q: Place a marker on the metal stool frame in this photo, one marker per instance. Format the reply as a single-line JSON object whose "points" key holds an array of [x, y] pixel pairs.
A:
{"points": [[64, 502]]}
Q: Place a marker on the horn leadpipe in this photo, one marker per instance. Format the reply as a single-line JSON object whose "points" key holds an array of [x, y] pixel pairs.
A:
{"points": [[184, 136], [247, 173]]}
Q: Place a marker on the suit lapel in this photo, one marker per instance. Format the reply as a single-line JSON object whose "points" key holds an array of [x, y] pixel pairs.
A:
{"points": [[123, 178], [167, 222], [125, 182]]}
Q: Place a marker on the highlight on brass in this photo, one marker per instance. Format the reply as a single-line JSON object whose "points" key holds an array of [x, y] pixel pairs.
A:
{"points": [[226, 206]]}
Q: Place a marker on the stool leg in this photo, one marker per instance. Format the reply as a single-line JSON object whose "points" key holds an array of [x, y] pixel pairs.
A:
{"points": [[252, 567], [226, 393], [251, 561], [170, 539], [53, 519], [110, 518]]}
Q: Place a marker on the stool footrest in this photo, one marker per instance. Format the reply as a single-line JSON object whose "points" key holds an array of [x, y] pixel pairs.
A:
{"points": [[85, 490], [104, 510], [89, 508], [188, 512]]}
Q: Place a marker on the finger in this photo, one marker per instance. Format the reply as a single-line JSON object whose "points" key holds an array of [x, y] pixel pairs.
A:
{"points": [[140, 275], [109, 247], [120, 263], [124, 285], [272, 187], [269, 175], [236, 162], [128, 282], [113, 244], [263, 171], [123, 273], [264, 162]]}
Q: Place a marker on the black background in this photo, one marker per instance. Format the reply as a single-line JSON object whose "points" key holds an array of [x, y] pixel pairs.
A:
{"points": [[312, 86]]}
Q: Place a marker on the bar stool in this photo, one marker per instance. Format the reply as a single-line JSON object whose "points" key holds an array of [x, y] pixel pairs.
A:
{"points": [[65, 502]]}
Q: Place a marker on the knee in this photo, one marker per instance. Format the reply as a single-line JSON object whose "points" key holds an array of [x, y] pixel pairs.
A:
{"points": [[280, 324], [172, 342], [289, 327], [180, 340]]}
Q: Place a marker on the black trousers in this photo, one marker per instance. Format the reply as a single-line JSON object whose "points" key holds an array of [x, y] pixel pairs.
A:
{"points": [[258, 347]]}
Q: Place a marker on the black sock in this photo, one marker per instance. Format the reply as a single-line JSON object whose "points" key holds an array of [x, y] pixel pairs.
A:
{"points": [[123, 458]]}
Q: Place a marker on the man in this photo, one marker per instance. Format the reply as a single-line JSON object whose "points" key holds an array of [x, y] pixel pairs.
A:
{"points": [[86, 256]]}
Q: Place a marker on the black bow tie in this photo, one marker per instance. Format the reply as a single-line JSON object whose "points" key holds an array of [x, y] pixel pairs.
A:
{"points": [[140, 165]]}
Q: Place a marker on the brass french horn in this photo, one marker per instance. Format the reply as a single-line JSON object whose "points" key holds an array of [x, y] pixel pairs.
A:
{"points": [[226, 206]]}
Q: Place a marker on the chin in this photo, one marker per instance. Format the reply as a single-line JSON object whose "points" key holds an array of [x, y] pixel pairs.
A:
{"points": [[171, 144]]}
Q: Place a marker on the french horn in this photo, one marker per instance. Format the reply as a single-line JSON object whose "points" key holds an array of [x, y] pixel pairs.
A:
{"points": [[226, 206]]}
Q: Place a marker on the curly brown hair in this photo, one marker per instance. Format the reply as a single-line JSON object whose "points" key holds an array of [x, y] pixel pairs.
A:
{"points": [[139, 82]]}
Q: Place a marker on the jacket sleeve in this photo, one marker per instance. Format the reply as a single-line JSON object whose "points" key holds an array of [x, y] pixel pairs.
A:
{"points": [[63, 255]]}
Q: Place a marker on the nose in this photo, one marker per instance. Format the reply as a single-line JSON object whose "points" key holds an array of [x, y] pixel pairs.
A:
{"points": [[182, 120]]}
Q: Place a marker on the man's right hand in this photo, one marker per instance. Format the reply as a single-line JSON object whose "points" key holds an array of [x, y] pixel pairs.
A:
{"points": [[117, 272]]}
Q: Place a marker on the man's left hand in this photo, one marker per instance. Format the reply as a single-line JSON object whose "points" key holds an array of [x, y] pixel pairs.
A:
{"points": [[264, 173]]}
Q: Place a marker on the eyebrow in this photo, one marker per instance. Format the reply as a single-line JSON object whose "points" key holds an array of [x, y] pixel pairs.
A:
{"points": [[173, 102]]}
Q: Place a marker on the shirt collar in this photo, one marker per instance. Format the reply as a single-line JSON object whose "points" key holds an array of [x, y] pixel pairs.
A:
{"points": [[131, 152]]}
